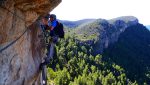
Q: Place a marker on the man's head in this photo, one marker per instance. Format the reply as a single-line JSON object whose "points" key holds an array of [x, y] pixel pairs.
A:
{"points": [[45, 19], [52, 17]]}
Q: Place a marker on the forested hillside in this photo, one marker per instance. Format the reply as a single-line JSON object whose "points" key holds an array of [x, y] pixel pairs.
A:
{"points": [[74, 65], [132, 52]]}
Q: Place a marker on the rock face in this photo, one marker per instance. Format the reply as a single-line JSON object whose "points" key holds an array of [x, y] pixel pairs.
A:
{"points": [[110, 31], [101, 33], [19, 63]]}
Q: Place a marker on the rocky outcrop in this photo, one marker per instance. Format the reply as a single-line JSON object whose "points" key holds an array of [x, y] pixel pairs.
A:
{"points": [[101, 33], [19, 63], [111, 30]]}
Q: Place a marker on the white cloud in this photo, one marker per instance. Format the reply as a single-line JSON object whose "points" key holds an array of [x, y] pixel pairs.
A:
{"points": [[80, 9]]}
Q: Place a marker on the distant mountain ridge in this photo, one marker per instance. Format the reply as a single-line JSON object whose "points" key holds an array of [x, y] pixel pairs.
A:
{"points": [[73, 24]]}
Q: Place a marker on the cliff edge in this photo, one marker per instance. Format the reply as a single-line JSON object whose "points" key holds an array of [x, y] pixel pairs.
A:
{"points": [[19, 63]]}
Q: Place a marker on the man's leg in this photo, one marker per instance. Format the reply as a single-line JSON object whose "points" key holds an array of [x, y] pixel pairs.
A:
{"points": [[51, 51], [55, 39], [49, 54]]}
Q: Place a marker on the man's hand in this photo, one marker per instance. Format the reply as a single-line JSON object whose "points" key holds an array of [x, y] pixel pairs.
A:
{"points": [[51, 27]]}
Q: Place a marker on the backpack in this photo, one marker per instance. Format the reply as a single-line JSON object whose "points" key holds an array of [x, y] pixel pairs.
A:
{"points": [[59, 30]]}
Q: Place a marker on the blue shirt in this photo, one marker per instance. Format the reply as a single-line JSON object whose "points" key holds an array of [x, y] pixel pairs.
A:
{"points": [[53, 23]]}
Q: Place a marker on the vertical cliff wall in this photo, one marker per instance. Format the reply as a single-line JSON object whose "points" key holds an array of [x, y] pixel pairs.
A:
{"points": [[19, 63]]}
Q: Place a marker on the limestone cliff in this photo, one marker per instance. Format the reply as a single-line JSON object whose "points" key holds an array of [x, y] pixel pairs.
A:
{"points": [[101, 33], [19, 63], [111, 31]]}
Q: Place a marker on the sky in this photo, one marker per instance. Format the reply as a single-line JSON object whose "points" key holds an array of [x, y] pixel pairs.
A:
{"points": [[106, 9]]}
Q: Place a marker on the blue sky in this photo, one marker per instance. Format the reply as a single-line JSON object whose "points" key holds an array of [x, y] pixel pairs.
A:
{"points": [[106, 9]]}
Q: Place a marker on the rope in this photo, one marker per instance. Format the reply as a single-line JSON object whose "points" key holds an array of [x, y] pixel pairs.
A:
{"points": [[1, 50], [4, 48]]}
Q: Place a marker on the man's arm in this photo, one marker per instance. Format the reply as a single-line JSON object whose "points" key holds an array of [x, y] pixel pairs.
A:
{"points": [[53, 25]]}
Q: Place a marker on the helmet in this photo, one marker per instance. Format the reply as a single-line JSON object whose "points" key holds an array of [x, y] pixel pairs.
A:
{"points": [[47, 16], [53, 16]]}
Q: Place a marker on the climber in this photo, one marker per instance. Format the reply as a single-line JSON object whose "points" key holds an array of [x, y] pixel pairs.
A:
{"points": [[54, 23], [49, 25]]}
